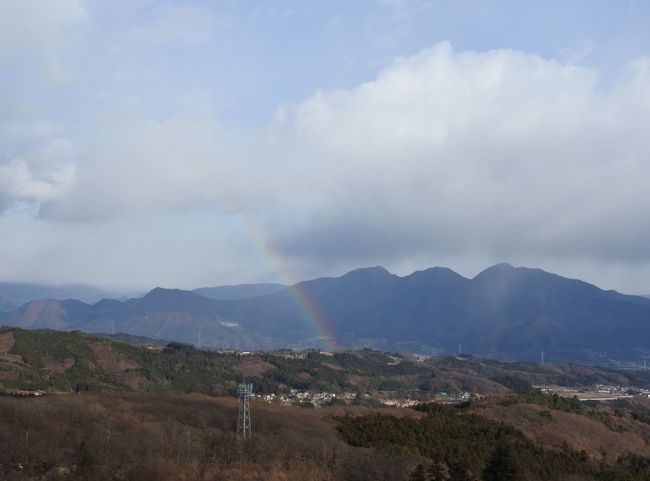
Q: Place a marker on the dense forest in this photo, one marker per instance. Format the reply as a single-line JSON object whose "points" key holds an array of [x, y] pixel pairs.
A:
{"points": [[460, 446]]}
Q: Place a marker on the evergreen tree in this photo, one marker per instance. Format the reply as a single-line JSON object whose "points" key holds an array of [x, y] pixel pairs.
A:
{"points": [[458, 472], [436, 472], [84, 456], [418, 474], [503, 466]]}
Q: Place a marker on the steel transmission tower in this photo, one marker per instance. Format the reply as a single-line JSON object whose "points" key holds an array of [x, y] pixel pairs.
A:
{"points": [[244, 422]]}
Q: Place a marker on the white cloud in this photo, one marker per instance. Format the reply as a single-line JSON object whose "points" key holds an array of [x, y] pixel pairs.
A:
{"points": [[500, 153], [42, 176], [426, 101], [150, 166], [40, 29], [17, 180]]}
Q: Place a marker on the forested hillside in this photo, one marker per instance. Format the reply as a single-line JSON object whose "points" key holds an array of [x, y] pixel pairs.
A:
{"points": [[72, 361]]}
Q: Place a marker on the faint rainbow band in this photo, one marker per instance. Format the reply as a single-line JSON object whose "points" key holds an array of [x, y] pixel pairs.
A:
{"points": [[302, 301]]}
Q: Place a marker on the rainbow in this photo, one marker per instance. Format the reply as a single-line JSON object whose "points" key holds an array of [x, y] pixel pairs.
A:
{"points": [[301, 300]]}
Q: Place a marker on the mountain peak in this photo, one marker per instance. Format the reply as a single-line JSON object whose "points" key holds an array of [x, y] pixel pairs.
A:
{"points": [[157, 291], [501, 266], [164, 293], [500, 270], [437, 270], [375, 271]]}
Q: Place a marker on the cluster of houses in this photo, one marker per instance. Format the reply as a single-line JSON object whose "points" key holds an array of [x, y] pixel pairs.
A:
{"points": [[322, 398], [305, 397], [21, 393], [599, 392]]}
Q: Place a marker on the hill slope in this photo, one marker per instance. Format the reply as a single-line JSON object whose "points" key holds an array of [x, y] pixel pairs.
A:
{"points": [[52, 360], [554, 438]]}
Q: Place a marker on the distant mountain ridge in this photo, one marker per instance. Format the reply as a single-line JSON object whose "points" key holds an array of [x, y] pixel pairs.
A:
{"points": [[503, 309], [14, 295]]}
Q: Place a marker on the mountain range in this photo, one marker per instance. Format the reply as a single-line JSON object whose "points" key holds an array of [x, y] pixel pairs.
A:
{"points": [[504, 311]]}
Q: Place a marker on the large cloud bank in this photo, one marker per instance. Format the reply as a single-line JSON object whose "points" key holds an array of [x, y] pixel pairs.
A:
{"points": [[458, 158]]}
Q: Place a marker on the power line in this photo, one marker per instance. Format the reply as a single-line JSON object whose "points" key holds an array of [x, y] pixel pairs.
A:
{"points": [[595, 359]]}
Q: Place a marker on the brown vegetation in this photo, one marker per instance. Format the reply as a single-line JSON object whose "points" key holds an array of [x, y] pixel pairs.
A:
{"points": [[7, 341], [45, 313], [58, 367], [124, 369], [253, 367], [598, 439], [179, 437], [138, 436]]}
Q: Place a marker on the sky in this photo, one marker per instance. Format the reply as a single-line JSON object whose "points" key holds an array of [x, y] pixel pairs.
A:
{"points": [[196, 143]]}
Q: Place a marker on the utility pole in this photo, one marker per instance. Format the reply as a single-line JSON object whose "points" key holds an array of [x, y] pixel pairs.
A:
{"points": [[107, 446], [26, 445], [244, 421], [541, 361]]}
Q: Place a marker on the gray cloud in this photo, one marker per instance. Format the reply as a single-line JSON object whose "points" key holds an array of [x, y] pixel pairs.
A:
{"points": [[500, 152], [454, 158]]}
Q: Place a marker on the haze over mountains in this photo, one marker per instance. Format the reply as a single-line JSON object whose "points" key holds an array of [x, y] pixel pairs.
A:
{"points": [[502, 311], [14, 295], [242, 291]]}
